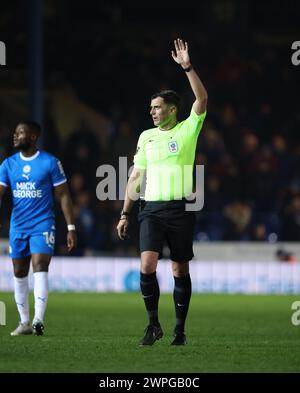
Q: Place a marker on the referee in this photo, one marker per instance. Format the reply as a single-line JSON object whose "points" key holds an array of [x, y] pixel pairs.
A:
{"points": [[166, 154]]}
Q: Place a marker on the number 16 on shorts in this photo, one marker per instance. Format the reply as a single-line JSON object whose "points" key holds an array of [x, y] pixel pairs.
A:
{"points": [[49, 238]]}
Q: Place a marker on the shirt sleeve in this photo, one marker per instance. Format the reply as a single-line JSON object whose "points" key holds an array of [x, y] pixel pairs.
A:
{"points": [[139, 159], [57, 173], [194, 122], [4, 180]]}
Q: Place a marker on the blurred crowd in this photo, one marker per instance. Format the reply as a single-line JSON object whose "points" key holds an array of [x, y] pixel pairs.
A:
{"points": [[249, 145]]}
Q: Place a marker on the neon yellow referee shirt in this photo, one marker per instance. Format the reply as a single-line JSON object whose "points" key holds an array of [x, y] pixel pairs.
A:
{"points": [[168, 158]]}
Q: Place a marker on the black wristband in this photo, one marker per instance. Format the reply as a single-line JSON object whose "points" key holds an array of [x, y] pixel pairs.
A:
{"points": [[188, 69], [124, 213]]}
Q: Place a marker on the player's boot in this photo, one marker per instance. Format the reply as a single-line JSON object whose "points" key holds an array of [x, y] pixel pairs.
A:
{"points": [[179, 339], [22, 329], [38, 327], [152, 333]]}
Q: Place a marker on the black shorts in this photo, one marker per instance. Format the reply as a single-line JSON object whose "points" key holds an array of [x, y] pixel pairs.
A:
{"points": [[168, 222]]}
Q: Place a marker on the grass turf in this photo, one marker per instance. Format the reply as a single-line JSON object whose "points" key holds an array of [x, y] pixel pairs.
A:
{"points": [[99, 333]]}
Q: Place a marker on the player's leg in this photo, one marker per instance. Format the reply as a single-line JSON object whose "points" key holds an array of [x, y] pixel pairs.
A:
{"points": [[41, 247], [21, 292], [20, 254], [150, 292], [149, 285], [181, 295], [151, 241], [40, 266], [180, 241]]}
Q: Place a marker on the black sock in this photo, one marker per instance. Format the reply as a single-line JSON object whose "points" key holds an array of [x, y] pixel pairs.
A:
{"points": [[150, 292], [181, 295]]}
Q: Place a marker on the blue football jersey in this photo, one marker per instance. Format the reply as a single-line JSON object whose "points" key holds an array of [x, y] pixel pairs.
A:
{"points": [[31, 180]]}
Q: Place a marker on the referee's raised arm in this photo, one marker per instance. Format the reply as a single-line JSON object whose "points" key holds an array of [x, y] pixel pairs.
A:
{"points": [[181, 56]]}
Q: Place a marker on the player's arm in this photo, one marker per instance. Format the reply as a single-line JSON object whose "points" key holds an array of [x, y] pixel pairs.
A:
{"points": [[132, 191], [62, 194], [182, 57]]}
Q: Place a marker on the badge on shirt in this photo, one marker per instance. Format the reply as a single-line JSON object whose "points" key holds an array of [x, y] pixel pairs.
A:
{"points": [[173, 147], [26, 168], [26, 171]]}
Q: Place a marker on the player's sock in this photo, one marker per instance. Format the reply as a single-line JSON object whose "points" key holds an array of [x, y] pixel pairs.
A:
{"points": [[40, 294], [150, 292], [21, 297], [182, 295]]}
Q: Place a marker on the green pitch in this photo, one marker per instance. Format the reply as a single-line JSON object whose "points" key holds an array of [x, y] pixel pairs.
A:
{"points": [[99, 333]]}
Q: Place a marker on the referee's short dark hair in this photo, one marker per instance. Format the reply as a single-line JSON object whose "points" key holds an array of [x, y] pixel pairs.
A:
{"points": [[170, 97], [34, 127]]}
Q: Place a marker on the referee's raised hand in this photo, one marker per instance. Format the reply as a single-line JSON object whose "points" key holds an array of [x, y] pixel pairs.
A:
{"points": [[181, 54]]}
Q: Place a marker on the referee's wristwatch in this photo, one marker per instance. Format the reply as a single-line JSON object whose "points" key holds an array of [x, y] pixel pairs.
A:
{"points": [[124, 215]]}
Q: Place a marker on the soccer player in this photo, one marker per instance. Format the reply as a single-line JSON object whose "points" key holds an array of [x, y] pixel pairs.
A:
{"points": [[167, 154], [32, 175]]}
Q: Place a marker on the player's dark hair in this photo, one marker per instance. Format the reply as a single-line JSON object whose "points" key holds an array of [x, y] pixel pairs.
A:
{"points": [[34, 127], [170, 97]]}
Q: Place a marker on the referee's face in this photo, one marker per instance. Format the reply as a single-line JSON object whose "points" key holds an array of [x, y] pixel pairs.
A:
{"points": [[162, 113]]}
